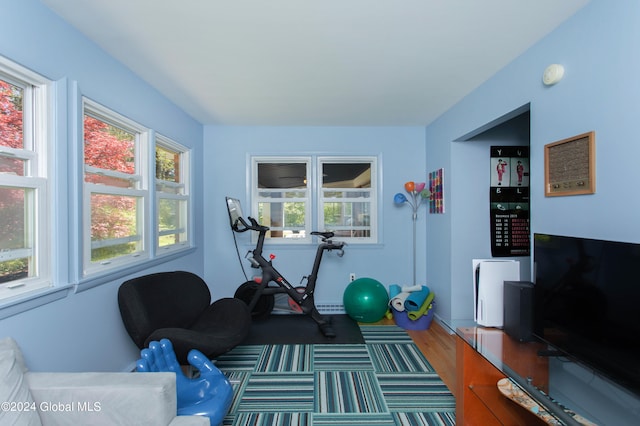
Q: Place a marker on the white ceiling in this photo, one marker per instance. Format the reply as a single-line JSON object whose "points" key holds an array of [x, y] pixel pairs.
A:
{"points": [[329, 62]]}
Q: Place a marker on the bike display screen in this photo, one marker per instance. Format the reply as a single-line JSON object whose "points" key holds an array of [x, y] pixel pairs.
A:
{"points": [[235, 211]]}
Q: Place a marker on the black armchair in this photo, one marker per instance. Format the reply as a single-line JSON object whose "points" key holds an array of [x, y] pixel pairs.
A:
{"points": [[177, 306]]}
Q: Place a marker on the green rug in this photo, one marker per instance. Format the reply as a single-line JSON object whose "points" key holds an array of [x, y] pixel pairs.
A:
{"points": [[385, 381]]}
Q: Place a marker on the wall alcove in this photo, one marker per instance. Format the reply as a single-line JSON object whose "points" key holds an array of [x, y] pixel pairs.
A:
{"points": [[471, 222]]}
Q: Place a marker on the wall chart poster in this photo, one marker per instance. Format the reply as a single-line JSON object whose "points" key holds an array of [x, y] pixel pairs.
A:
{"points": [[509, 198]]}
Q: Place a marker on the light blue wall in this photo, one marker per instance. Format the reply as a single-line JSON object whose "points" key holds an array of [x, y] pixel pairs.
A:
{"points": [[600, 91], [83, 331], [401, 152]]}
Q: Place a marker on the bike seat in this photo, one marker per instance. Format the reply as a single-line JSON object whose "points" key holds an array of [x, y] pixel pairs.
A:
{"points": [[324, 235]]}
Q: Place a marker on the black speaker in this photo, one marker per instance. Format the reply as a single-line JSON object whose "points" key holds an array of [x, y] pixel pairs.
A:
{"points": [[518, 310]]}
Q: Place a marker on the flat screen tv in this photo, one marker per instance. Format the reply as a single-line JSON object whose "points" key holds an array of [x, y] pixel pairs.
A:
{"points": [[587, 303]]}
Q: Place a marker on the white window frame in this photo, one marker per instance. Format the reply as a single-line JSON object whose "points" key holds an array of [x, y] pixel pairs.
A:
{"points": [[37, 116], [372, 199], [184, 196], [314, 200], [139, 191], [307, 199]]}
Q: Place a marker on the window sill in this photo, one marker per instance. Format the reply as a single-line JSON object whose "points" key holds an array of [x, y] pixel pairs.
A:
{"points": [[311, 246], [27, 301], [31, 300], [97, 279]]}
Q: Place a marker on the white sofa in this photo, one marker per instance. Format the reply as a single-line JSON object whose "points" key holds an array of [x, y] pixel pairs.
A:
{"points": [[28, 398]]}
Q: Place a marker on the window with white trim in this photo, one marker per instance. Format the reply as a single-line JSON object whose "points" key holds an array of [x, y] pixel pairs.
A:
{"points": [[24, 179], [281, 197], [116, 195], [296, 195], [347, 200], [172, 195]]}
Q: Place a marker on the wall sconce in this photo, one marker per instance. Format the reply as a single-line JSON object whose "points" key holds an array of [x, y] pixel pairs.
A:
{"points": [[552, 74]]}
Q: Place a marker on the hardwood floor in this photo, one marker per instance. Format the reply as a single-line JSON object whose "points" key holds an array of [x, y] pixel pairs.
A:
{"points": [[439, 347]]}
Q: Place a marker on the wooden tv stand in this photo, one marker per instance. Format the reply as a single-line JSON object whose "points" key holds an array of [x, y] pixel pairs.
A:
{"points": [[484, 356]]}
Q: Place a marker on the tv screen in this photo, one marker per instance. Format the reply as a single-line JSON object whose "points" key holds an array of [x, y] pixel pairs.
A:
{"points": [[587, 303]]}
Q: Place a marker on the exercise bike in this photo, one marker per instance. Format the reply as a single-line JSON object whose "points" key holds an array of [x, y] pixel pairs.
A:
{"points": [[259, 292]]}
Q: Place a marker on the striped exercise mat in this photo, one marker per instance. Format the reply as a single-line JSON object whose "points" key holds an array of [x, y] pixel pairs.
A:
{"points": [[384, 381]]}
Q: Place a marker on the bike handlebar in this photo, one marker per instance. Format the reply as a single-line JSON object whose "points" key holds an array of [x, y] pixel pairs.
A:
{"points": [[255, 226]]}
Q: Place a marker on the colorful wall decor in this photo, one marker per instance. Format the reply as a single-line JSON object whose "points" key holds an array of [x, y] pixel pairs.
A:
{"points": [[436, 186]]}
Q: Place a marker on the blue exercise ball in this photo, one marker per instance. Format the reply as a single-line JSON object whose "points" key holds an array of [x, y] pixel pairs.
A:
{"points": [[366, 300]]}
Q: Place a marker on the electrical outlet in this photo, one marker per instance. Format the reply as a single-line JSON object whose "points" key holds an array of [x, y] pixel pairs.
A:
{"points": [[352, 277]]}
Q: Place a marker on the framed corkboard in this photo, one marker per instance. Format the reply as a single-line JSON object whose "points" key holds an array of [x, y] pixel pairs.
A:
{"points": [[569, 166]]}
